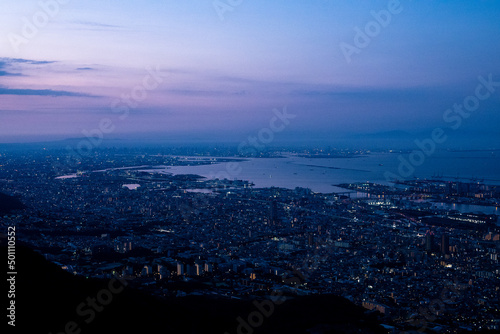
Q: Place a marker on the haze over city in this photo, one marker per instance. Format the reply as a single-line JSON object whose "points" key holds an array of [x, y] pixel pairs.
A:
{"points": [[250, 167]]}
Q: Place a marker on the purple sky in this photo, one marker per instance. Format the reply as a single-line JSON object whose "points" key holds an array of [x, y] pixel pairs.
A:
{"points": [[221, 70]]}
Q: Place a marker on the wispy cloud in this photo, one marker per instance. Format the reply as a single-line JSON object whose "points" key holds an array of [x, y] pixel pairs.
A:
{"points": [[11, 61], [91, 26], [39, 68], [96, 24], [194, 92], [5, 73], [13, 66], [364, 92], [42, 92]]}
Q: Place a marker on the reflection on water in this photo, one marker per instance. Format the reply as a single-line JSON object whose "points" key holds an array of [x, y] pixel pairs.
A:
{"points": [[203, 191], [134, 186], [320, 175], [72, 176], [465, 208]]}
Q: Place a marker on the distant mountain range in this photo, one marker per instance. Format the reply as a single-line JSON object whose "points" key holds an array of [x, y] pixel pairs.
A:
{"points": [[396, 139]]}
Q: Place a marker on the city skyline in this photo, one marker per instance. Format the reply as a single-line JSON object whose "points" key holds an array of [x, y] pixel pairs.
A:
{"points": [[232, 166], [416, 255], [214, 70]]}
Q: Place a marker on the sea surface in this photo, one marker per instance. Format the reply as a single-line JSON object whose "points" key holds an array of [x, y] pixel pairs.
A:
{"points": [[322, 174], [489, 210]]}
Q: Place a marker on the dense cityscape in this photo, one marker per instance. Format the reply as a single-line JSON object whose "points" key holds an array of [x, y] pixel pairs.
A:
{"points": [[250, 167], [383, 247]]}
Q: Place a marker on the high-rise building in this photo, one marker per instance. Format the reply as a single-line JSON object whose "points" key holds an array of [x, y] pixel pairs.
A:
{"points": [[310, 239], [147, 270], [429, 241], [449, 188], [445, 243], [273, 213], [180, 269], [198, 269], [463, 188], [124, 246]]}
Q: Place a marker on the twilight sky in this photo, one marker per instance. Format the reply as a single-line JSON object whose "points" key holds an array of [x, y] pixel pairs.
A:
{"points": [[209, 68]]}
